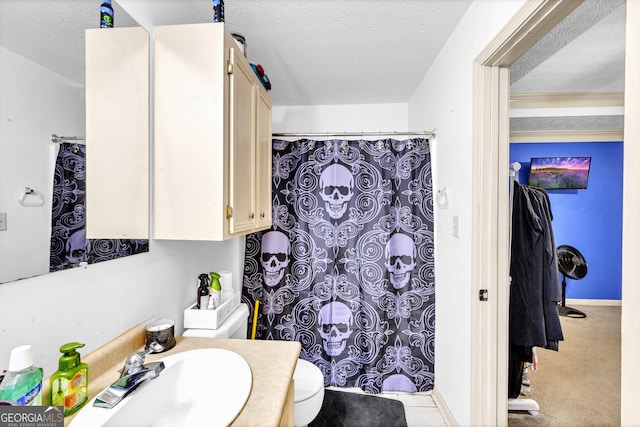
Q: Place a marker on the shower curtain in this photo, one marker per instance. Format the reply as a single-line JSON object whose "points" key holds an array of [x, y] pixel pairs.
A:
{"points": [[347, 268], [69, 245]]}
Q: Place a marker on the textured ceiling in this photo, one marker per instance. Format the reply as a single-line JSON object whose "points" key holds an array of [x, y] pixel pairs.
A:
{"points": [[314, 51], [336, 51], [51, 32], [583, 53], [322, 52], [529, 124]]}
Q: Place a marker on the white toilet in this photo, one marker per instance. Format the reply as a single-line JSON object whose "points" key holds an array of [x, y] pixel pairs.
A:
{"points": [[308, 392]]}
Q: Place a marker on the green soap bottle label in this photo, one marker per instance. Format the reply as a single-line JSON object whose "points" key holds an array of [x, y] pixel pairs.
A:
{"points": [[71, 394]]}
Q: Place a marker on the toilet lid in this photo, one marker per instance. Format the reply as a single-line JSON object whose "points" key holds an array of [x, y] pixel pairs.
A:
{"points": [[307, 380]]}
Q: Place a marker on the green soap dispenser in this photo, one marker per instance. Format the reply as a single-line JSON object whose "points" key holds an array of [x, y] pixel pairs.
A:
{"points": [[70, 383]]}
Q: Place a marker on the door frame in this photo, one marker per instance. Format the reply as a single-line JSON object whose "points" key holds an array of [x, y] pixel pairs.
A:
{"points": [[630, 322], [490, 204]]}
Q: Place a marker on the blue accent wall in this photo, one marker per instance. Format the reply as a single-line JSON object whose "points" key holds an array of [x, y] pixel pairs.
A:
{"points": [[589, 220]]}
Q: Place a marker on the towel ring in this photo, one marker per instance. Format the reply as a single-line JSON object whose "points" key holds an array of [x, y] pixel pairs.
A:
{"points": [[29, 198]]}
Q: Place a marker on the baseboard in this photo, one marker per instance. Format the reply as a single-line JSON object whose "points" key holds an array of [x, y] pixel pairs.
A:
{"points": [[446, 413], [612, 302]]}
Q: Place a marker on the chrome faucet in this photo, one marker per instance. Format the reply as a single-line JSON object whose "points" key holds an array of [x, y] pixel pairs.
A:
{"points": [[133, 373]]}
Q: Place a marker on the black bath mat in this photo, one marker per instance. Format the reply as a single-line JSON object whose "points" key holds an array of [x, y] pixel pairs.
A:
{"points": [[344, 409]]}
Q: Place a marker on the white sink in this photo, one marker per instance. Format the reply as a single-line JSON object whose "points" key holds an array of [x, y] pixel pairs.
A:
{"points": [[196, 388]]}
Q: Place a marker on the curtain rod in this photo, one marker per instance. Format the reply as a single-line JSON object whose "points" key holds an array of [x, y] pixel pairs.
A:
{"points": [[314, 134], [58, 139]]}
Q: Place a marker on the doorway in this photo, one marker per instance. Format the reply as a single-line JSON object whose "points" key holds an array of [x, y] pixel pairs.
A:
{"points": [[490, 201]]}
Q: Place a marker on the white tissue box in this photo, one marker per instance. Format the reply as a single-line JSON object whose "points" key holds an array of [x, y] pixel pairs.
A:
{"points": [[211, 319]]}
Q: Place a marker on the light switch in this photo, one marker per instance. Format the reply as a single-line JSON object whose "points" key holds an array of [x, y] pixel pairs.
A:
{"points": [[456, 226], [3, 221]]}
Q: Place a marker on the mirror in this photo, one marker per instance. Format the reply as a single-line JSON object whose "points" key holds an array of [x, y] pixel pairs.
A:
{"points": [[42, 79]]}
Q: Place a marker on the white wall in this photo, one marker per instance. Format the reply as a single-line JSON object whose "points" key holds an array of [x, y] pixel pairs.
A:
{"points": [[341, 118], [35, 103], [444, 101], [95, 304]]}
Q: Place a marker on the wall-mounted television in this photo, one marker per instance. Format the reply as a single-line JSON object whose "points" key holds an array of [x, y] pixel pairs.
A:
{"points": [[559, 173]]}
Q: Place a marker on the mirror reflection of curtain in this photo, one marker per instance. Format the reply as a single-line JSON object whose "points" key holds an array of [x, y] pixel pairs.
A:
{"points": [[69, 246], [347, 268]]}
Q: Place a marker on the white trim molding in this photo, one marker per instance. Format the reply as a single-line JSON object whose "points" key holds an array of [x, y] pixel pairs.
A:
{"points": [[604, 302], [566, 112], [441, 404], [566, 100]]}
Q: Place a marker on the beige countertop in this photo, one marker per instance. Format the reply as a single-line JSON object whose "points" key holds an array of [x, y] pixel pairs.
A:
{"points": [[272, 364]]}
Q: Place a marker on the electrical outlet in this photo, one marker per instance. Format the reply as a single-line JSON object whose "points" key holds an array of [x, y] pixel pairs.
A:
{"points": [[3, 221]]}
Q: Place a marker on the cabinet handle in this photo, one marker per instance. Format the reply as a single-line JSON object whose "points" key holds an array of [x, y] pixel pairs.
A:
{"points": [[252, 215], [262, 215]]}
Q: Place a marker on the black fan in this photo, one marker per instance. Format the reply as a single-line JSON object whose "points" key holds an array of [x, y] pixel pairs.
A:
{"points": [[571, 264]]}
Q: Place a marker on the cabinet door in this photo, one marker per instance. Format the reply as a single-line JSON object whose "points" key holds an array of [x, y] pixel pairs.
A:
{"points": [[264, 162], [117, 120], [242, 167]]}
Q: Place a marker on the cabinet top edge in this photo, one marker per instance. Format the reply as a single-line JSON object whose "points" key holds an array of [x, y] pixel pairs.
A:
{"points": [[218, 25]]}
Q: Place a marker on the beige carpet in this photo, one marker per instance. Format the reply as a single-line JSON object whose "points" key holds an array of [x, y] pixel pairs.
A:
{"points": [[580, 384]]}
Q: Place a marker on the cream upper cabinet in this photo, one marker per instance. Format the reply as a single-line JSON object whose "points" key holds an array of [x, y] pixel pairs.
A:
{"points": [[117, 126], [212, 118]]}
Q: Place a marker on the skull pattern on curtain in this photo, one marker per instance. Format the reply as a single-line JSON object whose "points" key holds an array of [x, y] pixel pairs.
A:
{"points": [[69, 245], [347, 268]]}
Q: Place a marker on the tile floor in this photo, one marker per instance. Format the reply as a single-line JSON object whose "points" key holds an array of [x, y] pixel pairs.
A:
{"points": [[420, 409]]}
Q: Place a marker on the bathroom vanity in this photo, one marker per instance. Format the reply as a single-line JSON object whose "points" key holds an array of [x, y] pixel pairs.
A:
{"points": [[272, 364]]}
